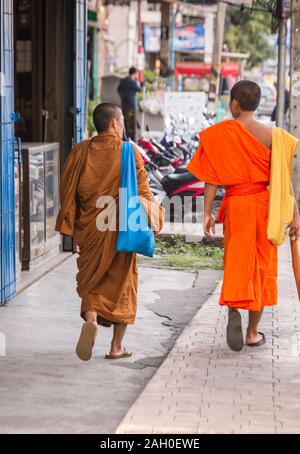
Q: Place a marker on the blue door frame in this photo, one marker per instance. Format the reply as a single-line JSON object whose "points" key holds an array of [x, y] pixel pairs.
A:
{"points": [[80, 69], [7, 184]]}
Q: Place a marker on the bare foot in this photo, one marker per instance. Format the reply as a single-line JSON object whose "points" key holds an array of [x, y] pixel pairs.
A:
{"points": [[252, 338], [118, 350], [90, 317], [118, 353], [97, 327]]}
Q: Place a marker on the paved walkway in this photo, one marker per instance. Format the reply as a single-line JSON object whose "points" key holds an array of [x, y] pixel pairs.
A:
{"points": [[203, 387], [45, 388], [192, 231]]}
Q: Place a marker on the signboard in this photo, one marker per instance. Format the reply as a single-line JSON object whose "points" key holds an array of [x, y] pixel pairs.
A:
{"points": [[186, 39], [184, 112], [152, 36], [189, 38]]}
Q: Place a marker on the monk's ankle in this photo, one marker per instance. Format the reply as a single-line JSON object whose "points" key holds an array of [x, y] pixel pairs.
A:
{"points": [[94, 323], [115, 348], [251, 334]]}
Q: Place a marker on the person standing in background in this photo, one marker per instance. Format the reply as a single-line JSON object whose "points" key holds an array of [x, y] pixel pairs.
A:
{"points": [[128, 88]]}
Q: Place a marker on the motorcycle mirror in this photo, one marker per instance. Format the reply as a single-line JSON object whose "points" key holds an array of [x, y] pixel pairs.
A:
{"points": [[138, 124], [147, 128]]}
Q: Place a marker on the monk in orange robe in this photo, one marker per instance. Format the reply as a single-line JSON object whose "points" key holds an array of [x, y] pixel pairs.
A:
{"points": [[106, 280], [236, 154]]}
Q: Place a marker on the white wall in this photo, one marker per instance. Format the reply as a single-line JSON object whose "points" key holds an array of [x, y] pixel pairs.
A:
{"points": [[122, 30], [209, 36]]}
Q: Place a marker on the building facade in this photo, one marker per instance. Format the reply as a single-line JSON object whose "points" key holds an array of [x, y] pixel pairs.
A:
{"points": [[43, 67]]}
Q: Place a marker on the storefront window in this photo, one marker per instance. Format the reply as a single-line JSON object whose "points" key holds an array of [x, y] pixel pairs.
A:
{"points": [[37, 191], [52, 191], [40, 194]]}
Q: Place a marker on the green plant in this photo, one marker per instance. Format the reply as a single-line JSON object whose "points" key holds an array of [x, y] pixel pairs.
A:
{"points": [[174, 252], [248, 32], [90, 124]]}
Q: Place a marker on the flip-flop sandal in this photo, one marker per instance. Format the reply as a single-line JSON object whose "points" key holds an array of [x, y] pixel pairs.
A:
{"points": [[125, 354], [86, 341], [235, 339], [258, 343]]}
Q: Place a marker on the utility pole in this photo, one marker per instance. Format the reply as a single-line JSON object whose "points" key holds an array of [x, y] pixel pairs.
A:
{"points": [[166, 30], [283, 14], [295, 91], [172, 50], [216, 58], [140, 49]]}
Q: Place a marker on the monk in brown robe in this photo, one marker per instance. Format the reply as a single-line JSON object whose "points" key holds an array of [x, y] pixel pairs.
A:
{"points": [[237, 154], [106, 281]]}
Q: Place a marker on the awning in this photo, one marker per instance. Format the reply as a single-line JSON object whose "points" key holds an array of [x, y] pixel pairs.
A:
{"points": [[203, 69]]}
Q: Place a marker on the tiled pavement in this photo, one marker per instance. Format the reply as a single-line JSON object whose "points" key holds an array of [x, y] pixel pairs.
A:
{"points": [[203, 387]]}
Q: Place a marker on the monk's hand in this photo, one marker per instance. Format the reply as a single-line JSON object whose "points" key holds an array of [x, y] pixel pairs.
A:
{"points": [[295, 227], [77, 249], [209, 224]]}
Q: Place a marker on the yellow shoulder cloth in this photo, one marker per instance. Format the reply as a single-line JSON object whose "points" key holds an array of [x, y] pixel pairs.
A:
{"points": [[281, 203]]}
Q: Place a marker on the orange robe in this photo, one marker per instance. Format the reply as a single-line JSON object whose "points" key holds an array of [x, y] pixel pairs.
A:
{"points": [[230, 156], [106, 280]]}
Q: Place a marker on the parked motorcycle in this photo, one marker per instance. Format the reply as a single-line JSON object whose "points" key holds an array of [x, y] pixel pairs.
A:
{"points": [[166, 167]]}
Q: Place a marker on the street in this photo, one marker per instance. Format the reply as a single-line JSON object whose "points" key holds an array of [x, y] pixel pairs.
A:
{"points": [[44, 388], [167, 129]]}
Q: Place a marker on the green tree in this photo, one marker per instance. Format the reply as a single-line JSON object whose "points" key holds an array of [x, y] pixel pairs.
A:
{"points": [[247, 32]]}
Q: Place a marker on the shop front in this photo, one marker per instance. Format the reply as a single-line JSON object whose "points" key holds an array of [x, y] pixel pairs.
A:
{"points": [[43, 69]]}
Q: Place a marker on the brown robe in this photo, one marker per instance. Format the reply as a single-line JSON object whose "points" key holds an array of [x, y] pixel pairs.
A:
{"points": [[106, 281]]}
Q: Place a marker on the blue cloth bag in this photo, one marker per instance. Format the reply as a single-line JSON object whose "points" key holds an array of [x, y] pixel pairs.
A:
{"points": [[134, 234]]}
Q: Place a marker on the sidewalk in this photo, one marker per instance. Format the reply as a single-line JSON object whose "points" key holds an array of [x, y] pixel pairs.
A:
{"points": [[45, 388], [203, 387], [192, 231]]}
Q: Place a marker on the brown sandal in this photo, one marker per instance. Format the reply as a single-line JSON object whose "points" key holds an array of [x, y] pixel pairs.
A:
{"points": [[235, 339], [258, 343], [86, 341], [125, 354]]}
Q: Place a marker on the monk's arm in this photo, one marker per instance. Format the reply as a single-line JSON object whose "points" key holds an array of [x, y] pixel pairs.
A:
{"points": [[142, 178], [295, 225], [156, 213], [210, 191]]}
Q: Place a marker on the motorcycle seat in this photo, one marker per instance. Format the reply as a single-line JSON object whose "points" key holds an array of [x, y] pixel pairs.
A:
{"points": [[181, 169], [183, 178]]}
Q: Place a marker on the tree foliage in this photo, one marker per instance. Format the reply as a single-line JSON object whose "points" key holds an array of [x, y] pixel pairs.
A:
{"points": [[248, 32]]}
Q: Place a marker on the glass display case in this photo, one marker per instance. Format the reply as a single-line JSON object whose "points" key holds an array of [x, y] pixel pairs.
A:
{"points": [[40, 201]]}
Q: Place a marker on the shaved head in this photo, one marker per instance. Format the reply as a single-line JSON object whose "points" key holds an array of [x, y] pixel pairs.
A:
{"points": [[103, 114], [247, 94]]}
